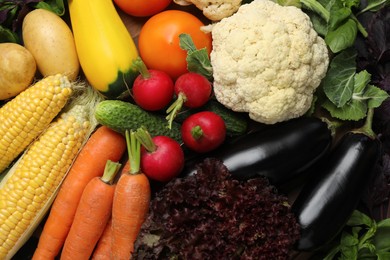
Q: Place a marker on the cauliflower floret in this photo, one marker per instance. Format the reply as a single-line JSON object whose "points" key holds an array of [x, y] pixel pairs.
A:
{"points": [[267, 60], [214, 10]]}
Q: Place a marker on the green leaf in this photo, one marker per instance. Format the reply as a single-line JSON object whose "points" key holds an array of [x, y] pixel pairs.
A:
{"points": [[375, 96], [56, 6], [197, 59], [338, 83], [383, 255], [361, 80], [374, 5], [338, 16], [384, 223], [7, 35], [359, 218], [355, 110], [342, 37], [382, 238], [348, 240]]}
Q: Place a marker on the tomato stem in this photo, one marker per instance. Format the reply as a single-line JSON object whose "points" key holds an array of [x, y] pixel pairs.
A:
{"points": [[134, 151], [197, 132], [174, 108], [141, 67], [144, 137]]}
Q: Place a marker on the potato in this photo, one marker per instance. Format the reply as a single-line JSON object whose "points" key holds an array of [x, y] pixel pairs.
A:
{"points": [[50, 40], [17, 69]]}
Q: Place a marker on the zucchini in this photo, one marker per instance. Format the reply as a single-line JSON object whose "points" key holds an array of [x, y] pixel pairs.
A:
{"points": [[121, 115], [236, 123], [104, 45]]}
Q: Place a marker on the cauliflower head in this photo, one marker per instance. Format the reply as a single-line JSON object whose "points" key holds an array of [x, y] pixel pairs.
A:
{"points": [[268, 61], [214, 10]]}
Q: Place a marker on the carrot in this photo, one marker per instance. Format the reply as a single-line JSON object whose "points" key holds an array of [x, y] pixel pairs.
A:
{"points": [[104, 144], [131, 203], [103, 247], [92, 215]]}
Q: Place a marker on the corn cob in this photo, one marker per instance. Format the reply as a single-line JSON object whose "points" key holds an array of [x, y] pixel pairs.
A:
{"points": [[29, 113], [29, 188]]}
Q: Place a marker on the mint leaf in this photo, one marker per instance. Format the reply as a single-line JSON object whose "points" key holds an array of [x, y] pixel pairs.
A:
{"points": [[338, 83]]}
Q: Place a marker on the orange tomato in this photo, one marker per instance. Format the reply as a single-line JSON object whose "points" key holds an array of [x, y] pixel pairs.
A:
{"points": [[142, 8], [158, 41]]}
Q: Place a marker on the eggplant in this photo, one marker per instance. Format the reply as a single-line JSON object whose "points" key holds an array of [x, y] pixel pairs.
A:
{"points": [[328, 198], [279, 152]]}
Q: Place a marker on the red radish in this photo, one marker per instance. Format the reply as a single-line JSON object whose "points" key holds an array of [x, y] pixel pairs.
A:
{"points": [[152, 89], [203, 131], [193, 90], [162, 157]]}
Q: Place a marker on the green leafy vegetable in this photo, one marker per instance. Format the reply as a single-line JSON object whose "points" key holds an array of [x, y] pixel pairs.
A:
{"points": [[362, 238], [197, 59], [349, 94]]}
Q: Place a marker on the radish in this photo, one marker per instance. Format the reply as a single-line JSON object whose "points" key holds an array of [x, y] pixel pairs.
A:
{"points": [[153, 90], [162, 157], [203, 131], [193, 90]]}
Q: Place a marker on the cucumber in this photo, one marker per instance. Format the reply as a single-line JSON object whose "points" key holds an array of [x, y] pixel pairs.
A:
{"points": [[236, 123], [121, 115]]}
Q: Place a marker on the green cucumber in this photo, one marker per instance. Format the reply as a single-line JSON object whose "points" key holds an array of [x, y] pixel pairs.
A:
{"points": [[121, 115], [236, 123]]}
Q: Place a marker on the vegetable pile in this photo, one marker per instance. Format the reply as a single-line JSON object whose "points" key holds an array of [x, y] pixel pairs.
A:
{"points": [[210, 215], [253, 128]]}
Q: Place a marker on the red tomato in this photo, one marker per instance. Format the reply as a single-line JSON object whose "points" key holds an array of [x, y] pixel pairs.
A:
{"points": [[158, 41], [142, 8], [203, 131]]}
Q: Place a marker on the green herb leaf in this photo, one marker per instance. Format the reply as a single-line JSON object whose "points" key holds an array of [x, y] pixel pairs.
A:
{"points": [[358, 218], [197, 59], [383, 255], [6, 35], [338, 83], [375, 96], [56, 6]]}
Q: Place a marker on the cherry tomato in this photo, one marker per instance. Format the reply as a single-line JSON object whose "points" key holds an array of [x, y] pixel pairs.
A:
{"points": [[203, 131], [158, 42], [142, 8], [165, 162]]}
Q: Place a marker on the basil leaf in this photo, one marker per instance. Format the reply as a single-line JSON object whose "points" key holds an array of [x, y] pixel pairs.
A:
{"points": [[338, 17], [374, 5], [358, 218], [383, 255], [7, 35], [56, 6], [338, 83], [381, 239], [342, 37]]}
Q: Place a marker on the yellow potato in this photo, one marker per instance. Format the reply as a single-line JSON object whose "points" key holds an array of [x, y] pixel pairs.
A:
{"points": [[17, 69], [50, 40]]}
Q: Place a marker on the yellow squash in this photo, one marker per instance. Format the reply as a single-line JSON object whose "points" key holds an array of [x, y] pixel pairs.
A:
{"points": [[105, 47]]}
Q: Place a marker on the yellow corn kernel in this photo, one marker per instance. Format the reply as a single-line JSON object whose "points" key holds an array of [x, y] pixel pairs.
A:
{"points": [[24, 117], [33, 181]]}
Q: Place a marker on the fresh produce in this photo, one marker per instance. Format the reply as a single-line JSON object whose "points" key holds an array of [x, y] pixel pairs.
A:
{"points": [[24, 117], [329, 197], [279, 152], [30, 186], [163, 29], [153, 89], [214, 10], [192, 90], [203, 131], [363, 238], [92, 215], [106, 55], [51, 42], [104, 144], [209, 215], [236, 123], [162, 157], [103, 248], [131, 202], [141, 8], [268, 61], [17, 69], [121, 115]]}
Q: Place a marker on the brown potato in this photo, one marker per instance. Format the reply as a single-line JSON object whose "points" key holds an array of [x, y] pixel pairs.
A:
{"points": [[50, 40], [17, 69]]}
